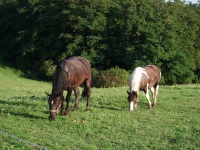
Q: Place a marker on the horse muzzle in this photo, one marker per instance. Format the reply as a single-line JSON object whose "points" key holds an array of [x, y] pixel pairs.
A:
{"points": [[53, 114], [131, 106], [51, 118]]}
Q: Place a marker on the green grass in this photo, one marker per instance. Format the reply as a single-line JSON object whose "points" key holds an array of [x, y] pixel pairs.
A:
{"points": [[173, 124]]}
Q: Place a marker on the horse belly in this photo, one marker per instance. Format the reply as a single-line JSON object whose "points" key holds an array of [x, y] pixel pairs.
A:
{"points": [[144, 84], [152, 81], [76, 80]]}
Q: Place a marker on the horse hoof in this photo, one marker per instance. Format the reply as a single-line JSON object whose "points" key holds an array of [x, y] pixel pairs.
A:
{"points": [[88, 109], [150, 106], [154, 104]]}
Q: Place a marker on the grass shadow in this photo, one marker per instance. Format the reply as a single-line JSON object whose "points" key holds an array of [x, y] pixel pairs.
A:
{"points": [[108, 106], [27, 115], [33, 97], [32, 76], [12, 107]]}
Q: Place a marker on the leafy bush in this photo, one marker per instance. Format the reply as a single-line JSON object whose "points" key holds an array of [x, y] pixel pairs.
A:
{"points": [[114, 77], [47, 70]]}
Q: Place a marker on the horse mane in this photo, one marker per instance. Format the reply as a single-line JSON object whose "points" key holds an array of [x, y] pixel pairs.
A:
{"points": [[59, 80], [135, 79]]}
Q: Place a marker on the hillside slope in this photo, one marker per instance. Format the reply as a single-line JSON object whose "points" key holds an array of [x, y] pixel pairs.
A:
{"points": [[13, 81]]}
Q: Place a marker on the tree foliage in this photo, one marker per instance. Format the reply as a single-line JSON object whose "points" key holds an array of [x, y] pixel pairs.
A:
{"points": [[36, 34]]}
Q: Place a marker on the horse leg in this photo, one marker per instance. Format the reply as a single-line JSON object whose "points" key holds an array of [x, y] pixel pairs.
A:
{"points": [[62, 105], [68, 100], [155, 95], [77, 96], [148, 98], [88, 90]]}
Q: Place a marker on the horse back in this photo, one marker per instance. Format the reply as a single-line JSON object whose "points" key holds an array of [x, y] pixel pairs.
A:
{"points": [[78, 69], [154, 75]]}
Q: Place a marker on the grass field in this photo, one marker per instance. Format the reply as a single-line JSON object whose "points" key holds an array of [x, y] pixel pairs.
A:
{"points": [[24, 124]]}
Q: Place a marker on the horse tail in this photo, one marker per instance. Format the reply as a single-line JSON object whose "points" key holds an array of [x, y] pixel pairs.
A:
{"points": [[88, 82], [85, 88]]}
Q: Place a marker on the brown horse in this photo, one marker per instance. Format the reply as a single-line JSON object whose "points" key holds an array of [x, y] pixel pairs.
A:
{"points": [[144, 79], [69, 74]]}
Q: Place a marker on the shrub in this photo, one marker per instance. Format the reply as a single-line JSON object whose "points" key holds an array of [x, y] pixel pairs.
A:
{"points": [[47, 70], [114, 77]]}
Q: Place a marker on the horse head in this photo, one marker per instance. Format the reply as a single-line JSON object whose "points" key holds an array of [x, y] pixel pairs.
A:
{"points": [[132, 99], [54, 104]]}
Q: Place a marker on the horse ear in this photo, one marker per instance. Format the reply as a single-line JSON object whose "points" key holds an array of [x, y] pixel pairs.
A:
{"points": [[47, 94], [128, 92], [135, 94]]}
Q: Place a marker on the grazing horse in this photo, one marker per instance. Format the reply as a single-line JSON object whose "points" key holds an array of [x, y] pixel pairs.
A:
{"points": [[144, 79], [69, 74]]}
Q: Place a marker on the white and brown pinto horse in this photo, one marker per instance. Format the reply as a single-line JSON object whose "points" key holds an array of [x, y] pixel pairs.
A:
{"points": [[144, 79]]}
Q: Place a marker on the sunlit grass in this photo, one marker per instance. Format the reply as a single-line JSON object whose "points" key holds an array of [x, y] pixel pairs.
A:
{"points": [[173, 124]]}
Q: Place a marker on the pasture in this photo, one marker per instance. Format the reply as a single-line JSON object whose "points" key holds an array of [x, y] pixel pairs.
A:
{"points": [[24, 124]]}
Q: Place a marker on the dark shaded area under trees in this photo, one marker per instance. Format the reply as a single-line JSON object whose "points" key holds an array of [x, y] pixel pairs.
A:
{"points": [[36, 34]]}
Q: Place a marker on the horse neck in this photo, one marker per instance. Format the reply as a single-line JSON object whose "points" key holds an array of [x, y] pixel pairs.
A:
{"points": [[135, 80], [134, 87], [60, 79]]}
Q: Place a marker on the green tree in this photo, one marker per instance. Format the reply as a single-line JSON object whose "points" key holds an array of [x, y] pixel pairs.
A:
{"points": [[36, 34]]}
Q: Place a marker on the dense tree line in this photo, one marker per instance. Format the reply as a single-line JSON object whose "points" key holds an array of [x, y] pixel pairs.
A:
{"points": [[36, 34]]}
